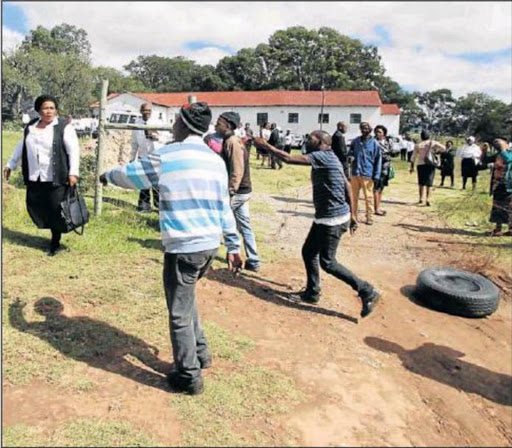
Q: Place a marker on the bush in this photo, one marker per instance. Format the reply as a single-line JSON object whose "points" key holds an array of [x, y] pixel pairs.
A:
{"points": [[15, 125], [88, 172]]}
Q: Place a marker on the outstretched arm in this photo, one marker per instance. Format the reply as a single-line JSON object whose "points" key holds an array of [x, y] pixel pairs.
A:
{"points": [[139, 175], [287, 158]]}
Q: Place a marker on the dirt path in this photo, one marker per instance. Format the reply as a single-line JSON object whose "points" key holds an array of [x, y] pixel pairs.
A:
{"points": [[405, 376]]}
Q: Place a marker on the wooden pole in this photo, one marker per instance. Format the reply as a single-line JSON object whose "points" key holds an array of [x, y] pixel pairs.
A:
{"points": [[102, 141], [135, 127], [322, 110]]}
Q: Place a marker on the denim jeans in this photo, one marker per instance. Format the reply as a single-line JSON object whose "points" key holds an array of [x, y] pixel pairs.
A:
{"points": [[240, 209], [181, 272], [320, 249]]}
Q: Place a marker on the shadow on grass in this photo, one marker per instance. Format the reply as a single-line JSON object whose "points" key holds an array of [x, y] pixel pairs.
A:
{"points": [[24, 239], [295, 213], [263, 292], [423, 229], [294, 200], [94, 342], [396, 202], [498, 246], [150, 243], [443, 364]]}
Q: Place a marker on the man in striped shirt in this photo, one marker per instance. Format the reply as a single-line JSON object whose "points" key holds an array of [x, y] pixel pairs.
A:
{"points": [[334, 215], [194, 213]]}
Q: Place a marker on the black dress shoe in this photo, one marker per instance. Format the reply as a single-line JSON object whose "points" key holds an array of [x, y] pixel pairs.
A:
{"points": [[54, 250], [306, 296], [369, 304], [185, 386]]}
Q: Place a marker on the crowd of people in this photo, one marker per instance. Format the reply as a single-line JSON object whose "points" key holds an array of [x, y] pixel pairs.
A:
{"points": [[201, 186]]}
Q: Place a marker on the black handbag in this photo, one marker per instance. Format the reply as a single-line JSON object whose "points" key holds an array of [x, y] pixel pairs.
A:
{"points": [[74, 211]]}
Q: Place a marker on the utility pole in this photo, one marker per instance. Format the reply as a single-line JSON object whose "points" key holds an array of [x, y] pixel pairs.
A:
{"points": [[322, 109]]}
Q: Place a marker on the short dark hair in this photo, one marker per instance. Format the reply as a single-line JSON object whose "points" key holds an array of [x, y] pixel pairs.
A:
{"points": [[425, 135], [323, 136], [43, 99], [449, 141], [383, 128]]}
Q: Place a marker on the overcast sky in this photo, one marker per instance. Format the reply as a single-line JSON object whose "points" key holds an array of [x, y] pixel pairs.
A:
{"points": [[463, 46]]}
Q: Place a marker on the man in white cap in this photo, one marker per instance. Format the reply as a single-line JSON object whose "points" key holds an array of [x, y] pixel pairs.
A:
{"points": [[470, 156]]}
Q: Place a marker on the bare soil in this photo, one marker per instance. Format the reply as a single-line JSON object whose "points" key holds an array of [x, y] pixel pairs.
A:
{"points": [[404, 376]]}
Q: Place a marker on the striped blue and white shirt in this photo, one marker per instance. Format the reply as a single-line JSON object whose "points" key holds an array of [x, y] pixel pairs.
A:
{"points": [[194, 200]]}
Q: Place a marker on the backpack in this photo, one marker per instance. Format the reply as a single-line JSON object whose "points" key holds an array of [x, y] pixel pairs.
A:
{"points": [[507, 157]]}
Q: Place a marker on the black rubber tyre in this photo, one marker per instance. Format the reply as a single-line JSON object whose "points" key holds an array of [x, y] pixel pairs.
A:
{"points": [[457, 292]]}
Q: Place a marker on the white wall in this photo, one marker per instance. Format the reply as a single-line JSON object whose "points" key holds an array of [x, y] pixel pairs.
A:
{"points": [[391, 122], [308, 115]]}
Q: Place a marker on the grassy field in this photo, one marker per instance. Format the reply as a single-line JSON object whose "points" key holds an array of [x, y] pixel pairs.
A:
{"points": [[112, 275], [109, 282]]}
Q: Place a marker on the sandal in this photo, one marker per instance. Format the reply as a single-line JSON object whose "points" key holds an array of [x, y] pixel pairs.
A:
{"points": [[380, 213], [497, 232]]}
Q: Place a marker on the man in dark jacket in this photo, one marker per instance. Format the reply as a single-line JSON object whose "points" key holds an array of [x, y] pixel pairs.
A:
{"points": [[275, 141], [236, 156], [339, 146], [334, 215]]}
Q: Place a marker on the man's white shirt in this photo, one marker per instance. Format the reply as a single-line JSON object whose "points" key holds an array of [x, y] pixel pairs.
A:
{"points": [[142, 146]]}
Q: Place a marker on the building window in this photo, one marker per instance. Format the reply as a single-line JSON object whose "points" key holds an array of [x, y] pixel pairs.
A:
{"points": [[261, 118], [293, 118], [323, 118], [355, 118]]}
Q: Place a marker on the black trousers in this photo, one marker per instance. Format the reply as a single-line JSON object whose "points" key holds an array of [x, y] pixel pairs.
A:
{"points": [[181, 273], [319, 250], [403, 154], [145, 199]]}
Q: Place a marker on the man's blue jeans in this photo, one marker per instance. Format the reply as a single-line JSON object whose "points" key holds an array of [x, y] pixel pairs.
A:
{"points": [[240, 209]]}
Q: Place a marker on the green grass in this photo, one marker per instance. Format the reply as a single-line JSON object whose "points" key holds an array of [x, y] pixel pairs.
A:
{"points": [[83, 432]]}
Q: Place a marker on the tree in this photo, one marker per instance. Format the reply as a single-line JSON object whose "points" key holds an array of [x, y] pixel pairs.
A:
{"points": [[62, 39], [117, 82], [437, 107]]}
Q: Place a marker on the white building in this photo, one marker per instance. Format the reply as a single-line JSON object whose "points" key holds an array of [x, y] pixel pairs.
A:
{"points": [[298, 111]]}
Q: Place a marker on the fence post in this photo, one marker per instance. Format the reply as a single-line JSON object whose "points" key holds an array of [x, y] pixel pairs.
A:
{"points": [[102, 141], [192, 99]]}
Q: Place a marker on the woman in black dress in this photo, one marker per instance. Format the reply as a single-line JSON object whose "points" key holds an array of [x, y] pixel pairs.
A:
{"points": [[49, 154], [447, 164]]}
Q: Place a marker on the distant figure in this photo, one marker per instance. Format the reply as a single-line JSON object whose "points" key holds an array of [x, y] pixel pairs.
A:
{"points": [[425, 151], [288, 141], [144, 143], [264, 133], [501, 188], [381, 133], [339, 146], [249, 133], [403, 147], [275, 141], [366, 168], [470, 156], [447, 164]]}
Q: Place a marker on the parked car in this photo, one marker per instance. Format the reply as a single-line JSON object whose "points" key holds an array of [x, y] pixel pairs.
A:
{"points": [[297, 140]]}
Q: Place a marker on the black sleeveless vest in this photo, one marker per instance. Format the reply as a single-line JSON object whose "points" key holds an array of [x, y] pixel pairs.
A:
{"points": [[60, 159]]}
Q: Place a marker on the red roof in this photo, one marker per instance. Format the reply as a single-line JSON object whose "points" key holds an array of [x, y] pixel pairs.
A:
{"points": [[390, 109], [109, 97], [267, 98]]}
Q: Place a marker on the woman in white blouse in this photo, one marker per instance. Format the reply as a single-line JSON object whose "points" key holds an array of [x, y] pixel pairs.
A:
{"points": [[49, 155]]}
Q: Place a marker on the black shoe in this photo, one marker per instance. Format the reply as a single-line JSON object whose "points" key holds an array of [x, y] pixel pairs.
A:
{"points": [[308, 297], [54, 250], [189, 387], [369, 304], [251, 267], [205, 362]]}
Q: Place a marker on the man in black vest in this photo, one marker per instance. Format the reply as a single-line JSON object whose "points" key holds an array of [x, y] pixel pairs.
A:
{"points": [[339, 146], [275, 141], [236, 157]]}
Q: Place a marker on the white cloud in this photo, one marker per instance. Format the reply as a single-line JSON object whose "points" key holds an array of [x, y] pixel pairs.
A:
{"points": [[10, 39], [119, 32]]}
